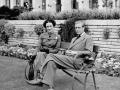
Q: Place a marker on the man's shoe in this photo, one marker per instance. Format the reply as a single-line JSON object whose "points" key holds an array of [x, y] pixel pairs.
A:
{"points": [[51, 89], [34, 82]]}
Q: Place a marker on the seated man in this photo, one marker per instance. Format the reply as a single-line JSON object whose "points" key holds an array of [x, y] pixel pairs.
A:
{"points": [[82, 44]]}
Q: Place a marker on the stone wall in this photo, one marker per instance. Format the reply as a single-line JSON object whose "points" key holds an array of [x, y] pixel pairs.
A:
{"points": [[30, 37], [111, 45]]}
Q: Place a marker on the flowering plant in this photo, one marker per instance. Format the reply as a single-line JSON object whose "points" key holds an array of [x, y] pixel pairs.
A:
{"points": [[108, 64], [106, 33], [9, 29], [21, 53], [4, 50], [30, 51], [19, 33], [39, 29], [118, 32]]}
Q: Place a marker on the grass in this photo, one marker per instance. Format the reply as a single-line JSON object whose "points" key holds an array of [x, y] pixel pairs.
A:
{"points": [[12, 78]]}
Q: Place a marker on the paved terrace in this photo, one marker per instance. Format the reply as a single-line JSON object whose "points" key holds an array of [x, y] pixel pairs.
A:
{"points": [[12, 78]]}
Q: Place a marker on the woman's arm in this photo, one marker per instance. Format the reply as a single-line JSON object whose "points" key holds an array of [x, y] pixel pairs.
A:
{"points": [[55, 50], [38, 46]]}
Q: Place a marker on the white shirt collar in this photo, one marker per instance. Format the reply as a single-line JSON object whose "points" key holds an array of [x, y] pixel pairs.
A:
{"points": [[82, 33]]}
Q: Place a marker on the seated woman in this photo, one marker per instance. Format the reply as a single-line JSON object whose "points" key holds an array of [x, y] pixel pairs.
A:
{"points": [[49, 42]]}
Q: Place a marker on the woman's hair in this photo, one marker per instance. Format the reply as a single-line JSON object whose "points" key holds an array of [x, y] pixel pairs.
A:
{"points": [[49, 21]]}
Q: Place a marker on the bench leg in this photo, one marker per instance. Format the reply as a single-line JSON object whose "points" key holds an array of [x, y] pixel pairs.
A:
{"points": [[85, 81], [94, 80]]}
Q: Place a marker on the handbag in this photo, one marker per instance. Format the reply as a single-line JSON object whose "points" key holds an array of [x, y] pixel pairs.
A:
{"points": [[44, 50], [31, 72], [31, 69]]}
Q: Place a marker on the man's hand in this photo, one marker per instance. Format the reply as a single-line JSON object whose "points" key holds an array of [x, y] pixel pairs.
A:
{"points": [[71, 53], [77, 55]]}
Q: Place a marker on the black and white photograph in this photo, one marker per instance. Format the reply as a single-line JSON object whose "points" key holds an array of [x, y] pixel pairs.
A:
{"points": [[59, 44]]}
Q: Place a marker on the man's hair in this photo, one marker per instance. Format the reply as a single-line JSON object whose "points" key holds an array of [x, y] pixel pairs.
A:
{"points": [[82, 22], [49, 21]]}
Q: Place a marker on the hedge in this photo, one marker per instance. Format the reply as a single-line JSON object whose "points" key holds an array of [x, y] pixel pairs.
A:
{"points": [[86, 15]]}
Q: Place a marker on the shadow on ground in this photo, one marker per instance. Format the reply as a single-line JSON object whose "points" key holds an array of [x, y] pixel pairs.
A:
{"points": [[12, 78]]}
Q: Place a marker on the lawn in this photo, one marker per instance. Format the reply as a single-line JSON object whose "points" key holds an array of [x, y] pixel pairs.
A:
{"points": [[12, 78]]}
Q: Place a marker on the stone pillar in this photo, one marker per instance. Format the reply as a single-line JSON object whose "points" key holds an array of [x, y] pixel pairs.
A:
{"points": [[113, 4], [2, 2], [119, 4], [66, 5], [12, 3], [37, 5], [83, 4], [100, 4], [86, 4], [21, 2], [51, 5]]}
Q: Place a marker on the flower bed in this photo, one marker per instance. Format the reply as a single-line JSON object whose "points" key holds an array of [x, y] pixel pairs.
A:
{"points": [[19, 51], [108, 64]]}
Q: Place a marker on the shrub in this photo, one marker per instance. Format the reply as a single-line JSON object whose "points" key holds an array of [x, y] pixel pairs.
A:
{"points": [[5, 12], [3, 36], [108, 64], [67, 31], [118, 32], [106, 33], [81, 15], [2, 23], [9, 29], [39, 29], [19, 33], [36, 15]]}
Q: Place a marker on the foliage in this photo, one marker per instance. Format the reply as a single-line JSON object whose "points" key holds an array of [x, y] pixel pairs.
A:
{"points": [[39, 29], [67, 31], [108, 64], [80, 14], [3, 36], [7, 13], [19, 33], [118, 32], [6, 30], [9, 29], [35, 15], [106, 33], [19, 50]]}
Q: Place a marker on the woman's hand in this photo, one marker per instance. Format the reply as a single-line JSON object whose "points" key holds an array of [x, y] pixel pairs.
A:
{"points": [[35, 53]]}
